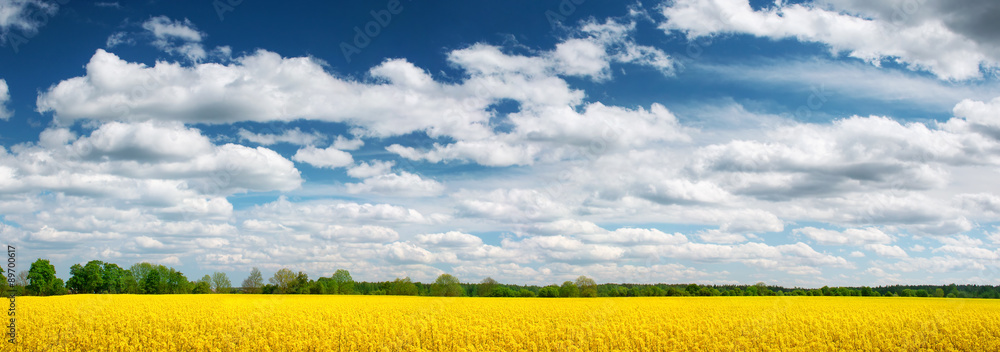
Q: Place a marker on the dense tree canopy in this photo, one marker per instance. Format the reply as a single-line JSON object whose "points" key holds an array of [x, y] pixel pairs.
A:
{"points": [[342, 283], [253, 283], [486, 287], [402, 287], [100, 277], [587, 286], [87, 278], [221, 283], [569, 289], [447, 286], [42, 279], [283, 280]]}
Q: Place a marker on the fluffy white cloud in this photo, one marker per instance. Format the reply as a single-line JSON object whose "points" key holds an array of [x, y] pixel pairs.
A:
{"points": [[47, 234], [266, 87], [148, 242], [849, 154], [4, 99], [855, 237], [329, 158], [546, 132], [929, 44], [717, 236], [259, 87], [371, 169], [293, 136], [283, 214], [887, 250], [118, 38], [603, 43], [408, 253], [452, 239], [488, 152], [176, 37], [119, 157], [402, 184], [24, 16], [981, 116], [509, 205], [635, 236], [343, 143], [362, 234]]}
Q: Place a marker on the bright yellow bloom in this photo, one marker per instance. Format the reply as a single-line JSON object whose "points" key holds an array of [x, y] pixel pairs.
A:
{"points": [[393, 323]]}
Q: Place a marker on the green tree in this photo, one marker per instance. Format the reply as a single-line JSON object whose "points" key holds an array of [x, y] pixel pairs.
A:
{"points": [[587, 286], [253, 283], [953, 290], [486, 287], [139, 272], [502, 291], [708, 291], [447, 286], [342, 282], [86, 278], [221, 283], [131, 285], [569, 289], [549, 291], [114, 278], [152, 284], [40, 278], [301, 284], [939, 292], [201, 287], [316, 287], [692, 289], [826, 291], [283, 280], [402, 287], [525, 293], [177, 283], [763, 290]]}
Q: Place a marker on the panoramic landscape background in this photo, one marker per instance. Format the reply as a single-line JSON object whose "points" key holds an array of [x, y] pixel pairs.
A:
{"points": [[715, 142]]}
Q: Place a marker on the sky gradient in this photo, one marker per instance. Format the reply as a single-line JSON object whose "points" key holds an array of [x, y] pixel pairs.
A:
{"points": [[830, 142]]}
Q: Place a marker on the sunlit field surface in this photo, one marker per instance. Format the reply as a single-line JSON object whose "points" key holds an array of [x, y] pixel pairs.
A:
{"points": [[396, 323]]}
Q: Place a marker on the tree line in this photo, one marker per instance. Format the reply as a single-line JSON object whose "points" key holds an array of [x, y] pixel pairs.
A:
{"points": [[145, 278]]}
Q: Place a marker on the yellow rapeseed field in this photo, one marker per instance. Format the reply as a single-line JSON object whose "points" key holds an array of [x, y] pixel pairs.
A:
{"points": [[390, 323]]}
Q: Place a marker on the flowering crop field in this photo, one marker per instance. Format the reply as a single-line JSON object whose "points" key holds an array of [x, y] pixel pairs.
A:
{"points": [[398, 323]]}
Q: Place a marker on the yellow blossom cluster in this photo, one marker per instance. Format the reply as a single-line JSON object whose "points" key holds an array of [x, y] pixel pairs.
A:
{"points": [[399, 323]]}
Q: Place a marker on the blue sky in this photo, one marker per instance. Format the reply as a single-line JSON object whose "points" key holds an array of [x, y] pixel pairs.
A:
{"points": [[832, 142]]}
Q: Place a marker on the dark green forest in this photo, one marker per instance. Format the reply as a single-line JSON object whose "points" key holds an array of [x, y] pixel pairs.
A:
{"points": [[97, 277]]}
